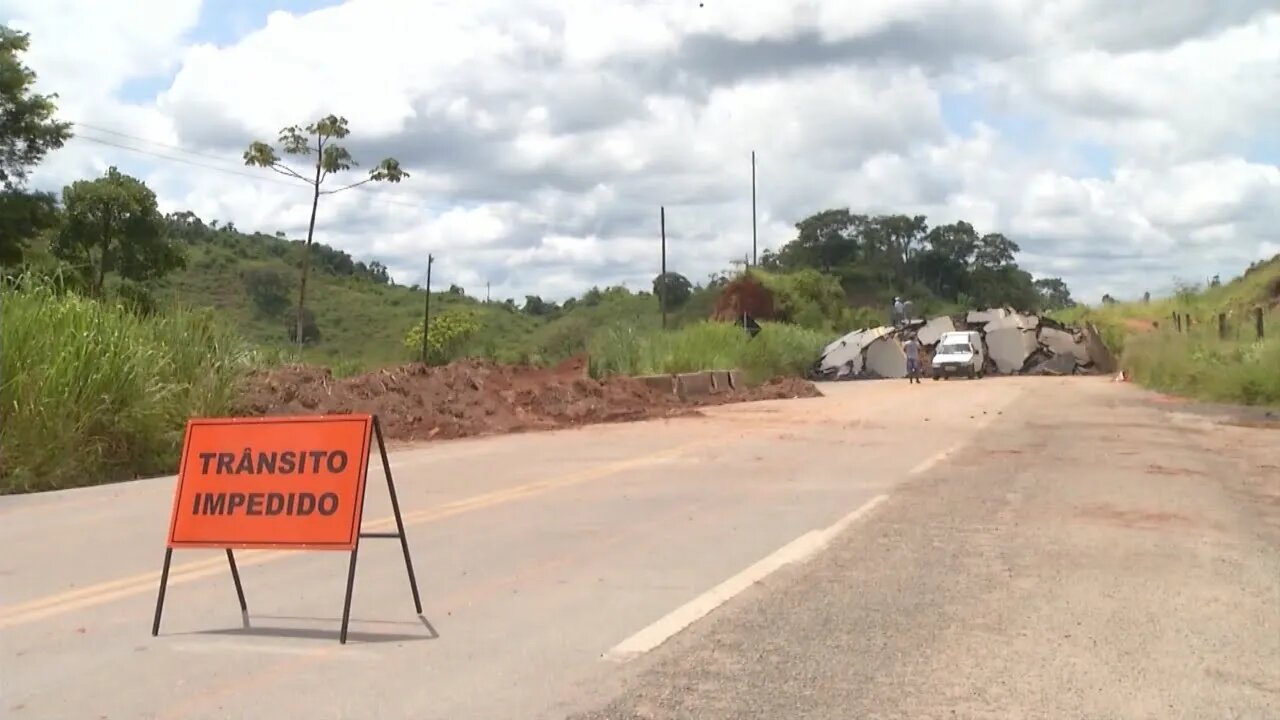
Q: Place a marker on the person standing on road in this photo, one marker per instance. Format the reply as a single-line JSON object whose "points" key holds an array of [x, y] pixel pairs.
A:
{"points": [[912, 348]]}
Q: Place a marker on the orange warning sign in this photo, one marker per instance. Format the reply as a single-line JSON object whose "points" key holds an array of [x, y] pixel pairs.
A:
{"points": [[272, 482]]}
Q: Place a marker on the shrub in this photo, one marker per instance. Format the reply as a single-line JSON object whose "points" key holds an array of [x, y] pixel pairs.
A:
{"points": [[94, 393]]}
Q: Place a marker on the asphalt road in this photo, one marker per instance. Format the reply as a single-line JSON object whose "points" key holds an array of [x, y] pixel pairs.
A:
{"points": [[999, 548]]}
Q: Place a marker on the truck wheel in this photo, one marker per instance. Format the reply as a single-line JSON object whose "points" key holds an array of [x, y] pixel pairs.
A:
{"points": [[971, 373]]}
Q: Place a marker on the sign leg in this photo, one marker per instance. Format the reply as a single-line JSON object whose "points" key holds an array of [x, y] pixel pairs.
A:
{"points": [[395, 508], [235, 576], [164, 582], [346, 605]]}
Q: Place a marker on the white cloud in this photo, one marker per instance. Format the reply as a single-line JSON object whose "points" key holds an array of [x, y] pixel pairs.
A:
{"points": [[543, 135]]}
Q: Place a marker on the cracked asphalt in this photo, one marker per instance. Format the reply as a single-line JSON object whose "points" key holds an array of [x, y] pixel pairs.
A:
{"points": [[1098, 552]]}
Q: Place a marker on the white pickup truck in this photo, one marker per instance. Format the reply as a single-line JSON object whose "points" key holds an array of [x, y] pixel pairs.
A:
{"points": [[958, 353]]}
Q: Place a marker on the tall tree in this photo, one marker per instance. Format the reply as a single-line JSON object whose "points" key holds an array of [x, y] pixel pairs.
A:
{"points": [[112, 225], [1054, 294], [994, 251], [28, 131], [673, 289], [319, 142]]}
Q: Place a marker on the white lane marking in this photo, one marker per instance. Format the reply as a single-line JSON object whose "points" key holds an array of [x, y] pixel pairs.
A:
{"points": [[796, 551], [935, 459], [932, 460]]}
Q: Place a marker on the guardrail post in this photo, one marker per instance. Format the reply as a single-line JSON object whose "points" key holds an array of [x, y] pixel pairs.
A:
{"points": [[1257, 320], [1222, 325]]}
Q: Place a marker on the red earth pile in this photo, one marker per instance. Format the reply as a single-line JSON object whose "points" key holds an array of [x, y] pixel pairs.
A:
{"points": [[743, 294], [477, 397]]}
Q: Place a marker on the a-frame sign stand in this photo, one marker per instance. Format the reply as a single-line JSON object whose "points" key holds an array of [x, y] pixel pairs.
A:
{"points": [[376, 432]]}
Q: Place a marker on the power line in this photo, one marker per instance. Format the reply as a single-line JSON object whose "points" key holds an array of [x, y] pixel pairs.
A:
{"points": [[184, 161], [187, 161], [157, 143]]}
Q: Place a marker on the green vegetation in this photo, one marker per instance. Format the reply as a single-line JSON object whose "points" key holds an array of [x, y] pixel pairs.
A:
{"points": [[779, 349], [92, 392], [319, 140], [1196, 361], [875, 258]]}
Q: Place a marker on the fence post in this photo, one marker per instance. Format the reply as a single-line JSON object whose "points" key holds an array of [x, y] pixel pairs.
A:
{"points": [[1257, 319], [1222, 326], [1177, 322]]}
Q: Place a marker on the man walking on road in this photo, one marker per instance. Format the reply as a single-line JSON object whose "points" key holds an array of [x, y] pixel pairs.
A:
{"points": [[912, 348]]}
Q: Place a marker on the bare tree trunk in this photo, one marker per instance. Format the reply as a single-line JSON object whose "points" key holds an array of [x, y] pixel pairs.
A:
{"points": [[306, 253]]}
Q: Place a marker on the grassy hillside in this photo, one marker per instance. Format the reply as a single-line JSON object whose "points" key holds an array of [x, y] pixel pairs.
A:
{"points": [[1197, 361]]}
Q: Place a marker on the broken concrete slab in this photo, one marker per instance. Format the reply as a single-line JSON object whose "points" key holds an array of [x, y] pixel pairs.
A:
{"points": [[979, 317], [933, 330], [1099, 354], [885, 358], [844, 357], [1009, 347], [1062, 342], [1014, 343], [1064, 364], [1014, 320]]}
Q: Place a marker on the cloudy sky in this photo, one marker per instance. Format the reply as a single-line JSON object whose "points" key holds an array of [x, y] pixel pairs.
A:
{"points": [[1122, 144]]}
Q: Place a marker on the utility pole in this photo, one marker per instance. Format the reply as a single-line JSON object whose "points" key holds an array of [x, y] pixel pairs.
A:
{"points": [[662, 279], [486, 291], [426, 310], [753, 207]]}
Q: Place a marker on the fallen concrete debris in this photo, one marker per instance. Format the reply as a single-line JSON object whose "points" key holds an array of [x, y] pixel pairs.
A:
{"points": [[1015, 344]]}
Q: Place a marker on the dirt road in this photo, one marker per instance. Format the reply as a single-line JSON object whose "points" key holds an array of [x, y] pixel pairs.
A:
{"points": [[1021, 547]]}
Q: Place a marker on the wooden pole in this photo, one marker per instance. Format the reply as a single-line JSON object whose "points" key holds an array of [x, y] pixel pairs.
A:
{"points": [[1257, 320], [754, 259], [426, 310], [1222, 325], [662, 281]]}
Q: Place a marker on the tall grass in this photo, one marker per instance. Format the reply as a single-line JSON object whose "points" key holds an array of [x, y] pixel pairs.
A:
{"points": [[1198, 364], [91, 393], [779, 349]]}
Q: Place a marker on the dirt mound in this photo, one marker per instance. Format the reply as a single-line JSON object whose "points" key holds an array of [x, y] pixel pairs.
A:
{"points": [[741, 295], [476, 397], [782, 388]]}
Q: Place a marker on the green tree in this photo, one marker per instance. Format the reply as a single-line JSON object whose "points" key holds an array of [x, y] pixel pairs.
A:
{"points": [[1054, 294], [534, 305], [447, 336], [28, 131], [268, 289], [310, 330], [673, 289], [112, 225], [318, 141]]}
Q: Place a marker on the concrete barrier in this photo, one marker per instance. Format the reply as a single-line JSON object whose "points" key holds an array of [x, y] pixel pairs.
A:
{"points": [[690, 385], [720, 382], [735, 380], [665, 384]]}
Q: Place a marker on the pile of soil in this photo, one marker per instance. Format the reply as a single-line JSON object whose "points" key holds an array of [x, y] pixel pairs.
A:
{"points": [[477, 397]]}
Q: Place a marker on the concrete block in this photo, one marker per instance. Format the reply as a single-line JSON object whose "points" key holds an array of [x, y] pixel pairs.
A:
{"points": [[665, 384], [692, 385], [735, 380], [932, 331], [720, 381], [1061, 342], [886, 359], [1009, 348]]}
